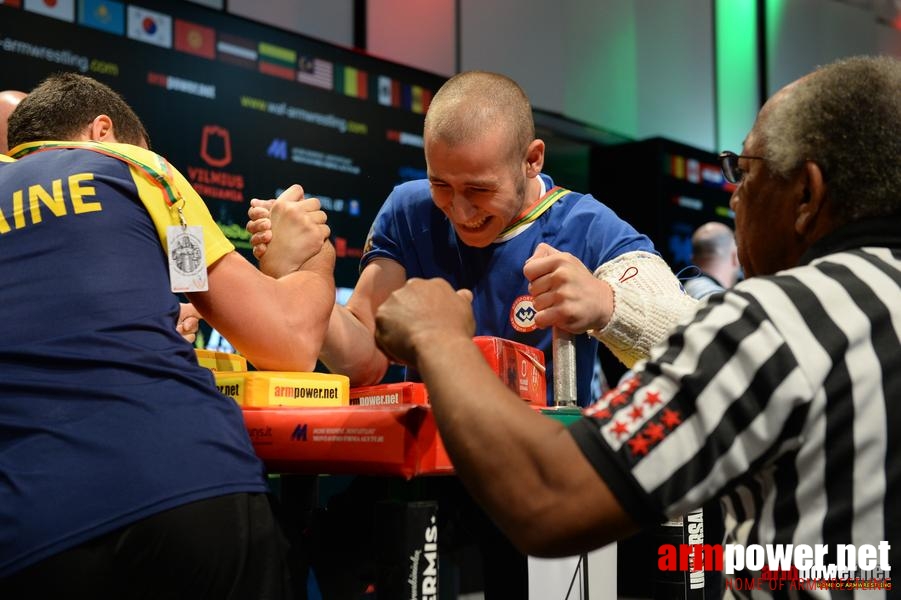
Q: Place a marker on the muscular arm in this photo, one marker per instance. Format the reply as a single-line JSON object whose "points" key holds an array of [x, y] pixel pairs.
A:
{"points": [[278, 324], [349, 346], [522, 467]]}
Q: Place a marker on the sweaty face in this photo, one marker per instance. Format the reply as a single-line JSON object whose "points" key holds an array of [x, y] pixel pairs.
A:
{"points": [[764, 215], [476, 185]]}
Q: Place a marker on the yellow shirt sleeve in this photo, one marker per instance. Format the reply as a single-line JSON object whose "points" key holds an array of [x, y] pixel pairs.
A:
{"points": [[156, 197]]}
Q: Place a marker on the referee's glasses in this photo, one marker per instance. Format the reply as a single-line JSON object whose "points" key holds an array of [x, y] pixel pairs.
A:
{"points": [[729, 162]]}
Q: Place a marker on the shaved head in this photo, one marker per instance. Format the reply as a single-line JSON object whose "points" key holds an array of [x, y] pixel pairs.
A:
{"points": [[473, 102]]}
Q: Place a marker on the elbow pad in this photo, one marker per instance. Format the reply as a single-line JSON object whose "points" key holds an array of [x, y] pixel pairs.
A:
{"points": [[648, 302]]}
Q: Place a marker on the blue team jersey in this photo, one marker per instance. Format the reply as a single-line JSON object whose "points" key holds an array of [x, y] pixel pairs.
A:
{"points": [[105, 415], [412, 231]]}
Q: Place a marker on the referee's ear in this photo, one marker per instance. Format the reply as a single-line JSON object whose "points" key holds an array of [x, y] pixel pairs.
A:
{"points": [[813, 218]]}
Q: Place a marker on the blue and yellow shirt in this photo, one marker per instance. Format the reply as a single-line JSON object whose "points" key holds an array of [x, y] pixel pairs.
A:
{"points": [[105, 415]]}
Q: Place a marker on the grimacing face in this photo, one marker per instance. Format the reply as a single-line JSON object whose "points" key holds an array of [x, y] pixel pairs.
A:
{"points": [[476, 185]]}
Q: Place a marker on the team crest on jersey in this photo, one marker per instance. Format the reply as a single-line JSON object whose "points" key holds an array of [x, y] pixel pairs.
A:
{"points": [[522, 314]]}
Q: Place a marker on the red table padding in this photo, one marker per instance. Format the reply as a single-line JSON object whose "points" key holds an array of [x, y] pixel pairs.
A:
{"points": [[365, 440]]}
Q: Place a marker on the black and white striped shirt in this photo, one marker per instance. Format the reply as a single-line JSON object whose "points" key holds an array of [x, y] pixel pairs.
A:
{"points": [[782, 397]]}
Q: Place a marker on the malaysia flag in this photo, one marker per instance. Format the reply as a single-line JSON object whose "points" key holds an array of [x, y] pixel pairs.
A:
{"points": [[315, 71]]}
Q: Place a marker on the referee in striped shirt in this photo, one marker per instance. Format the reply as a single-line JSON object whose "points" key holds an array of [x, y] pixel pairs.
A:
{"points": [[781, 397]]}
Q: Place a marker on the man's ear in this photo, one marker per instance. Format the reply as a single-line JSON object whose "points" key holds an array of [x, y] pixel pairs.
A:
{"points": [[102, 129], [812, 204], [535, 158]]}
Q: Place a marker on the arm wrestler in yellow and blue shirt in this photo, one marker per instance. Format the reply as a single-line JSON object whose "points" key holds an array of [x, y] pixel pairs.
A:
{"points": [[96, 383]]}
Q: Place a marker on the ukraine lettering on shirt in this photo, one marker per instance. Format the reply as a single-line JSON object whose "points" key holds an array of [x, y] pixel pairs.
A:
{"points": [[32, 203], [162, 189]]}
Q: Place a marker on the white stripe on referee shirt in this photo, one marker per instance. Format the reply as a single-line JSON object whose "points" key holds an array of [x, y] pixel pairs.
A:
{"points": [[811, 461], [867, 394], [729, 383]]}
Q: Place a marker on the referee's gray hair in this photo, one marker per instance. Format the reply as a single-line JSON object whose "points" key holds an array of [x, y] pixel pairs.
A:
{"points": [[846, 118]]}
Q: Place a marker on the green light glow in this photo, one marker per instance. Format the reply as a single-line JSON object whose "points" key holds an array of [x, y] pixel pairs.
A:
{"points": [[776, 16], [607, 68], [737, 86]]}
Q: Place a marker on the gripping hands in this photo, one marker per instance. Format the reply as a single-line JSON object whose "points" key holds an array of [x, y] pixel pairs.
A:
{"points": [[286, 232]]}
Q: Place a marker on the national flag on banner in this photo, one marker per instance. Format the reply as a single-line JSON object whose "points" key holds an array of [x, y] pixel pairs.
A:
{"points": [[149, 26], [195, 39], [64, 10], [426, 100], [11, 3], [104, 15], [237, 50], [276, 60], [315, 71], [356, 83], [384, 90]]}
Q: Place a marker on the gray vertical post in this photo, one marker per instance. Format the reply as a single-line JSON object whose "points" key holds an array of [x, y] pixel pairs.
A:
{"points": [[564, 352]]}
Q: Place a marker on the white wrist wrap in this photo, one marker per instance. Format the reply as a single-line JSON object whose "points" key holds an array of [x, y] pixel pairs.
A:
{"points": [[648, 303]]}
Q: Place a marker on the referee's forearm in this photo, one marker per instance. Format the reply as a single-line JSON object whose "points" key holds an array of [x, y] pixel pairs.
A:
{"points": [[498, 445]]}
